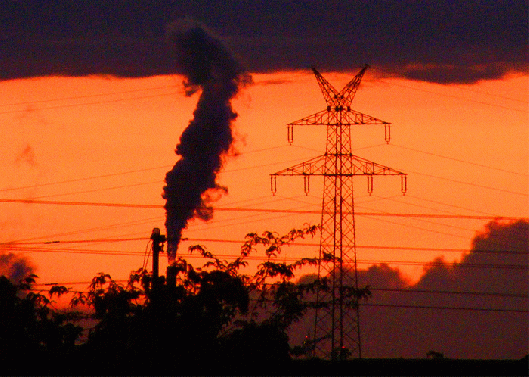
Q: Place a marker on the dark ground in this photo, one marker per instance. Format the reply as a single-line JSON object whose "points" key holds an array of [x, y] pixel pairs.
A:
{"points": [[65, 365], [415, 367]]}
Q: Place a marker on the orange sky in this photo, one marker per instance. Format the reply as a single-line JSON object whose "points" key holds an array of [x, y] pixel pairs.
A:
{"points": [[96, 139]]}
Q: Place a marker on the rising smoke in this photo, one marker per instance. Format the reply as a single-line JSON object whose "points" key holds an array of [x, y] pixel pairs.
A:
{"points": [[210, 68], [14, 267]]}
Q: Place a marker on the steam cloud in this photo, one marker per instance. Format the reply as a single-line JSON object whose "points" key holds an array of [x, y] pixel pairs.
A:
{"points": [[14, 267], [191, 184]]}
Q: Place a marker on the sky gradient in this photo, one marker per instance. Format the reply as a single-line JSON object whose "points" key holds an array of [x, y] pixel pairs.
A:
{"points": [[92, 106]]}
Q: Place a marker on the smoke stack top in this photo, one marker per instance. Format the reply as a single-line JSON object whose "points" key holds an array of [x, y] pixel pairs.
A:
{"points": [[191, 185]]}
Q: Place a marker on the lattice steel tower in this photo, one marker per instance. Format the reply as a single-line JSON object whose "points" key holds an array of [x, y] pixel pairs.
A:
{"points": [[336, 327]]}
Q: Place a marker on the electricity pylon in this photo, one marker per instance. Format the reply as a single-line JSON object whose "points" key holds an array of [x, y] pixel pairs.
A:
{"points": [[336, 323]]}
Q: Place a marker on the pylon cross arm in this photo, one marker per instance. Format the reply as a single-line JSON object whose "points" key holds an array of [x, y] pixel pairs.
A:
{"points": [[362, 166], [355, 117], [314, 166], [337, 116], [320, 118], [339, 165]]}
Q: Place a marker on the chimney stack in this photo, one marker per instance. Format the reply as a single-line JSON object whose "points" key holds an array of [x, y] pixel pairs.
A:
{"points": [[157, 247]]}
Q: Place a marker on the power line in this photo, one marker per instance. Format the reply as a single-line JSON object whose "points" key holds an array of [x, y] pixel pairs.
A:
{"points": [[372, 247], [458, 160], [485, 214], [106, 227], [173, 87], [240, 242], [99, 189], [493, 217], [91, 103], [97, 204], [454, 96], [435, 223], [396, 306], [94, 240], [234, 170], [87, 96], [469, 293], [265, 210], [86, 178], [79, 251], [264, 258], [471, 184], [404, 290], [448, 308], [430, 230], [424, 220], [132, 172], [381, 214], [524, 101], [290, 211], [158, 181]]}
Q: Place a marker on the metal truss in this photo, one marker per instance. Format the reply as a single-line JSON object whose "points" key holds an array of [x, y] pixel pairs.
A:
{"points": [[337, 323]]}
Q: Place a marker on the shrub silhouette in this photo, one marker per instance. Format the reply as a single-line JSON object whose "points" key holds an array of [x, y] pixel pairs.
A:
{"points": [[215, 318]]}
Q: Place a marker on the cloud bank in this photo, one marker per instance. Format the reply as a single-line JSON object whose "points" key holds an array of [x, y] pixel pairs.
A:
{"points": [[439, 41], [497, 263], [404, 320]]}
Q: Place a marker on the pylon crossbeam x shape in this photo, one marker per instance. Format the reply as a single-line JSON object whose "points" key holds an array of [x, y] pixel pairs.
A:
{"points": [[346, 96]]}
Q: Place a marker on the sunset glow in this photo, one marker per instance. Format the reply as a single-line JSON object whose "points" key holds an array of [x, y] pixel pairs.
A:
{"points": [[102, 140], [217, 134]]}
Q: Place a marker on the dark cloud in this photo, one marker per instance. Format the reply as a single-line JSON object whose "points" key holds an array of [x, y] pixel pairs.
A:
{"points": [[497, 263], [441, 41], [14, 267], [393, 324]]}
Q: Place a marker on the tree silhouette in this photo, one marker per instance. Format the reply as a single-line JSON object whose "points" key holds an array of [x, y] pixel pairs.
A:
{"points": [[215, 316], [29, 325]]}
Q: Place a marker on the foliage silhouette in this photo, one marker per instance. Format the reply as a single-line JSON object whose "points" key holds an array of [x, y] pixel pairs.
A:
{"points": [[30, 325], [216, 319], [214, 316]]}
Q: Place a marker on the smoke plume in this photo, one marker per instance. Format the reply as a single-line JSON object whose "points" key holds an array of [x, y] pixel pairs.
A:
{"points": [[191, 184], [14, 267]]}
